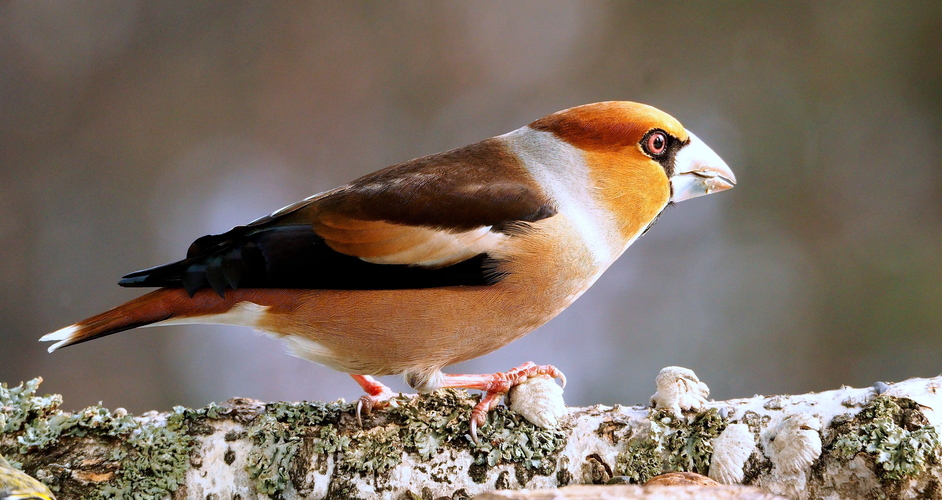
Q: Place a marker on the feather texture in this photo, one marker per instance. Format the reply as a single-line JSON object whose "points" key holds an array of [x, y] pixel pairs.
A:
{"points": [[392, 229]]}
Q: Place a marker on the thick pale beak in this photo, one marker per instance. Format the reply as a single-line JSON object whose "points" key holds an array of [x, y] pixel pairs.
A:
{"points": [[699, 171]]}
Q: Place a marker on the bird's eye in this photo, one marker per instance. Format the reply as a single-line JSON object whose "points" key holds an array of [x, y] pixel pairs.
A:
{"points": [[656, 143]]}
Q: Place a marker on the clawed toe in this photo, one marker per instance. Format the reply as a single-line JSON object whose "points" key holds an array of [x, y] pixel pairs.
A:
{"points": [[495, 386], [367, 403], [377, 396], [477, 420], [480, 411]]}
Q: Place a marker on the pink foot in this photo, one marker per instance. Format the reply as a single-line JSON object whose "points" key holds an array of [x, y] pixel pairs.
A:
{"points": [[495, 386], [377, 395]]}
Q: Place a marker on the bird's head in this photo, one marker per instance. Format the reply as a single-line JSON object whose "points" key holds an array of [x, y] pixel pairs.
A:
{"points": [[627, 142]]}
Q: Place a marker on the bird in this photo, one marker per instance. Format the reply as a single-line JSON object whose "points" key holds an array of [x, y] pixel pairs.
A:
{"points": [[440, 259], [17, 485]]}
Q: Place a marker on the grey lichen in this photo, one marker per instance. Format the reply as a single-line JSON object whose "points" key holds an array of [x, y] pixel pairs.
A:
{"points": [[373, 451], [509, 438], [679, 390], [894, 432], [672, 444], [793, 444], [640, 462], [731, 449], [431, 421], [277, 435], [38, 423], [154, 461], [540, 400], [688, 445]]}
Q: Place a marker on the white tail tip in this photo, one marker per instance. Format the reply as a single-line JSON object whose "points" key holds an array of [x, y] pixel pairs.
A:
{"points": [[63, 335]]}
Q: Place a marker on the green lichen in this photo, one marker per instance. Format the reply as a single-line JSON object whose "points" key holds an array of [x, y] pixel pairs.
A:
{"points": [[152, 458], [372, 451], [42, 433], [155, 460], [429, 422], [510, 438], [278, 433], [38, 423], [270, 459], [689, 446], [847, 446], [672, 444], [306, 414], [19, 405], [894, 432], [640, 462], [329, 441]]}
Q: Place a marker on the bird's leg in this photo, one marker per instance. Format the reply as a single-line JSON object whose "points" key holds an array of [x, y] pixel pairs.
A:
{"points": [[495, 385], [377, 395]]}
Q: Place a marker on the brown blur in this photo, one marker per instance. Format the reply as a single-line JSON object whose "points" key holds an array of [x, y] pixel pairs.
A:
{"points": [[130, 128]]}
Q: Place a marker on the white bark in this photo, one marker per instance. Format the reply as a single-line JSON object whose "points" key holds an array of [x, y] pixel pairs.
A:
{"points": [[846, 443]]}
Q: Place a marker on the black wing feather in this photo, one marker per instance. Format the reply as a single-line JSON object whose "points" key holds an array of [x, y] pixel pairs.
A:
{"points": [[296, 257], [476, 186]]}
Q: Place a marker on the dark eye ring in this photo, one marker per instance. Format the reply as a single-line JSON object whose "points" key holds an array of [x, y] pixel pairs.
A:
{"points": [[655, 144]]}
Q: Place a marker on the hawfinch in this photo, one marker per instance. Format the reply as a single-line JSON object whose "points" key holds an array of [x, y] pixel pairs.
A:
{"points": [[440, 259]]}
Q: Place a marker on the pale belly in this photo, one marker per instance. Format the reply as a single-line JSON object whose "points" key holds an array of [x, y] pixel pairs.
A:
{"points": [[383, 332]]}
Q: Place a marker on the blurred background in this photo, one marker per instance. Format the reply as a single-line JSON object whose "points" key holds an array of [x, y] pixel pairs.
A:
{"points": [[130, 128]]}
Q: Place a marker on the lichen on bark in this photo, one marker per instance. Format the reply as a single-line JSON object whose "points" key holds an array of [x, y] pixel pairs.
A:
{"points": [[858, 443]]}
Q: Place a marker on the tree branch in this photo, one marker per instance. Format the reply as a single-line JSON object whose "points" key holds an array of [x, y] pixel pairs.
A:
{"points": [[847, 443]]}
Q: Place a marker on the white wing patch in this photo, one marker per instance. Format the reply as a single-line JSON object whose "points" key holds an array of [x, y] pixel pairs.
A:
{"points": [[435, 248]]}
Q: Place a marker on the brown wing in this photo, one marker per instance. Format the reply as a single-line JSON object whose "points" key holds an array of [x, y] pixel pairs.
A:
{"points": [[428, 222]]}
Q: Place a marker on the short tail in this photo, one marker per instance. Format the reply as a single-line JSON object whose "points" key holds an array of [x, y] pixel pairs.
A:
{"points": [[155, 307]]}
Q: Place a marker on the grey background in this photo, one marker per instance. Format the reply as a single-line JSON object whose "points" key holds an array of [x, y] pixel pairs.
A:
{"points": [[130, 128]]}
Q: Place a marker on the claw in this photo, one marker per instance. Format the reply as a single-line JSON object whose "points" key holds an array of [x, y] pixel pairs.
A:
{"points": [[474, 431], [495, 386], [377, 396], [367, 403], [479, 416]]}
